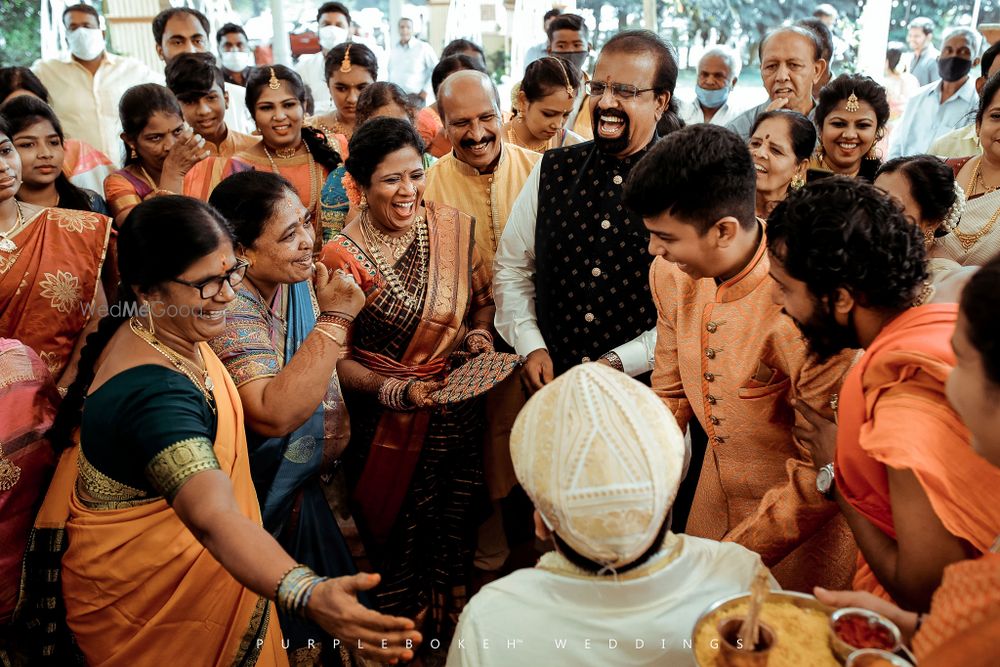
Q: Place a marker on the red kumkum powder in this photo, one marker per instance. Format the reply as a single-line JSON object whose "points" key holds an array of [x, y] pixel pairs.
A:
{"points": [[859, 632]]}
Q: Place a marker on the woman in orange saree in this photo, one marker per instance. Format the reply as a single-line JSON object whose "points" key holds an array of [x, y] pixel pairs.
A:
{"points": [[276, 99], [416, 471], [50, 267], [163, 553]]}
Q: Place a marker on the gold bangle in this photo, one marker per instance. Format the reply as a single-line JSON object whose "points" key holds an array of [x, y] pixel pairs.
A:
{"points": [[331, 336]]}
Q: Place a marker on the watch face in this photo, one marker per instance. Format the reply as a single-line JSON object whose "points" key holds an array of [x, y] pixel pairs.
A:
{"points": [[824, 480]]}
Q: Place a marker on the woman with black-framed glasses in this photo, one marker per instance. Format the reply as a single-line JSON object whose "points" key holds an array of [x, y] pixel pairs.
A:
{"points": [[153, 519]]}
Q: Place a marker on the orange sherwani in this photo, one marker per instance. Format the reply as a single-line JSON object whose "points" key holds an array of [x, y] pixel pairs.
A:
{"points": [[728, 356]]}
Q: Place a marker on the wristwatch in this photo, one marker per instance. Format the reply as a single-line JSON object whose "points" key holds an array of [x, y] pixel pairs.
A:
{"points": [[825, 480]]}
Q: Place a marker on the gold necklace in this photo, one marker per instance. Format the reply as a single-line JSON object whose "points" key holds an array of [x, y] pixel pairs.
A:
{"points": [[10, 472], [514, 139], [977, 177], [339, 128], [397, 244], [149, 179], [392, 279], [285, 153], [184, 365], [6, 241], [969, 240], [313, 177]]}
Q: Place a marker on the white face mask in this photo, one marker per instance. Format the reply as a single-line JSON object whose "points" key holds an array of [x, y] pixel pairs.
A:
{"points": [[236, 61], [86, 43], [332, 35]]}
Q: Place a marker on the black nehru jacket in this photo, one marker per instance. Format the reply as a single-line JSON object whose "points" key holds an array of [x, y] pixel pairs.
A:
{"points": [[591, 263]]}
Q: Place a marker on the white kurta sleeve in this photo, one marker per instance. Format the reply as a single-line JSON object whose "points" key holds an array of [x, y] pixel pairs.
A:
{"points": [[514, 272], [637, 354]]}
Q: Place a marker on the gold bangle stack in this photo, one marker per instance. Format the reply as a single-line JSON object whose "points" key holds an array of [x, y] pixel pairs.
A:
{"points": [[340, 340], [392, 393], [295, 588]]}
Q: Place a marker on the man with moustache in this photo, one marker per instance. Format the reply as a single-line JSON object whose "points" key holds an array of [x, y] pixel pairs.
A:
{"points": [[964, 141], [185, 30], [790, 64], [482, 176], [942, 106], [199, 86], [850, 271], [571, 271], [726, 356]]}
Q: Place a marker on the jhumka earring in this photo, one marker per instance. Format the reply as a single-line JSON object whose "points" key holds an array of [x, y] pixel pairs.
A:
{"points": [[132, 154], [273, 83], [797, 182], [363, 204], [928, 238], [872, 154], [852, 103], [345, 64], [149, 315]]}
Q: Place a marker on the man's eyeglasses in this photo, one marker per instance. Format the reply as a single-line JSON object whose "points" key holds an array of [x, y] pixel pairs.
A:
{"points": [[212, 286], [621, 91]]}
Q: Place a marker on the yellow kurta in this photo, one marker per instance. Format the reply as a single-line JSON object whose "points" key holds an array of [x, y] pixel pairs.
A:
{"points": [[727, 355], [486, 197]]}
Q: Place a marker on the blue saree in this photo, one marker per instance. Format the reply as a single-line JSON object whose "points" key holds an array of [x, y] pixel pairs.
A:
{"points": [[297, 476]]}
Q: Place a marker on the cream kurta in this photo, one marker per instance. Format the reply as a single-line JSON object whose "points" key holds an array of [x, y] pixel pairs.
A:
{"points": [[726, 354], [537, 616], [486, 197]]}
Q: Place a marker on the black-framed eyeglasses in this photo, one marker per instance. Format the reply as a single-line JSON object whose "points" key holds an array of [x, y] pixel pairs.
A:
{"points": [[211, 287], [622, 91]]}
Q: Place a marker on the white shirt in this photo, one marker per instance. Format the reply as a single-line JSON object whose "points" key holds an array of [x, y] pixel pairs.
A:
{"points": [[238, 118], [536, 52], [411, 66], [926, 119], [692, 113], [514, 287], [86, 104], [311, 68], [542, 617]]}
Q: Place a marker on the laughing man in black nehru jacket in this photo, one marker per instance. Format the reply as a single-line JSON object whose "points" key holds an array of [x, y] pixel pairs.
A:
{"points": [[571, 273]]}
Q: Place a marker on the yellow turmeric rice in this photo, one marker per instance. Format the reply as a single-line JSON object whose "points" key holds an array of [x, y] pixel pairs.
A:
{"points": [[803, 635]]}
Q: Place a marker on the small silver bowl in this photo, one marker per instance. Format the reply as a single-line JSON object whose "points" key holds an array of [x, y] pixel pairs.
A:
{"points": [[842, 649], [866, 656]]}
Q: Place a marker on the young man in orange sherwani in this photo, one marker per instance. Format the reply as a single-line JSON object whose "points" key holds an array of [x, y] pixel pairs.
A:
{"points": [[917, 496], [727, 356]]}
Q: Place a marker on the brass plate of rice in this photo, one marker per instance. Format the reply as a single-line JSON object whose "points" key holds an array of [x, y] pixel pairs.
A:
{"points": [[800, 621]]}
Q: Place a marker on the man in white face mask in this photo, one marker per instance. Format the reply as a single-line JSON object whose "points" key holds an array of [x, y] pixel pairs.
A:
{"points": [[235, 55], [718, 71], [333, 22], [87, 83]]}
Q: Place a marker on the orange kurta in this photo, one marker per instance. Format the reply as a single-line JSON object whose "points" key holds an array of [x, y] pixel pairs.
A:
{"points": [[728, 356], [964, 621], [894, 412], [139, 587], [48, 284]]}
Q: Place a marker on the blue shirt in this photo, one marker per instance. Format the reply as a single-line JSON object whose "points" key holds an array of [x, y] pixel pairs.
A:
{"points": [[926, 118]]}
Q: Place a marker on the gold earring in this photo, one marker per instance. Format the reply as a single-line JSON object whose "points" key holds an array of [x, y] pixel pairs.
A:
{"points": [[797, 181], [363, 204], [132, 154], [871, 154], [928, 237], [149, 316]]}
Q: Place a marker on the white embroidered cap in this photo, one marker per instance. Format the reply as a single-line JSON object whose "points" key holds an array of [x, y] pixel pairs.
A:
{"points": [[601, 458]]}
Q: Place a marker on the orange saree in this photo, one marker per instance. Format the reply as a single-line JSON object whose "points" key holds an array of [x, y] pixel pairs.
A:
{"points": [[140, 589], [49, 282], [894, 413]]}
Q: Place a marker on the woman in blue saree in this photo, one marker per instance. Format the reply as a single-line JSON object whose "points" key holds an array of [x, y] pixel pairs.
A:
{"points": [[296, 420]]}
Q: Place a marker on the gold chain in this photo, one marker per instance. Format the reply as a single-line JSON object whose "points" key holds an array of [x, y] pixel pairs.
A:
{"points": [[396, 244], [313, 178], [514, 139], [6, 238], [205, 385], [392, 279], [969, 240]]}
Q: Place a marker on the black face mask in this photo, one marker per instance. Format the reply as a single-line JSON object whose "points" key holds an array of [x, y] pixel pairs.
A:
{"points": [[953, 69], [577, 58]]}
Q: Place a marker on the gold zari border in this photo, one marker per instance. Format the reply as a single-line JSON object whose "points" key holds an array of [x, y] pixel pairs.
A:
{"points": [[98, 491], [173, 466]]}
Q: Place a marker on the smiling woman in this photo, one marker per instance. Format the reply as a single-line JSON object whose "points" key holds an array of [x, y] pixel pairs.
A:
{"points": [[851, 117], [415, 471]]}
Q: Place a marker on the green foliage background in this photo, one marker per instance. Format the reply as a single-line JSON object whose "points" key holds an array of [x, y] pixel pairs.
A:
{"points": [[19, 32]]}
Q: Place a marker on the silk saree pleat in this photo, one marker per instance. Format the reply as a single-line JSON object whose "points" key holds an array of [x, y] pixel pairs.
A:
{"points": [[399, 436]]}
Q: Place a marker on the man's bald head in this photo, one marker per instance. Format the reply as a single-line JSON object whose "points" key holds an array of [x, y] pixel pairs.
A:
{"points": [[469, 105], [463, 83]]}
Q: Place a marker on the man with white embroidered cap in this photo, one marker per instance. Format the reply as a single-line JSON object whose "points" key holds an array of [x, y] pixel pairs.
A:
{"points": [[601, 459]]}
